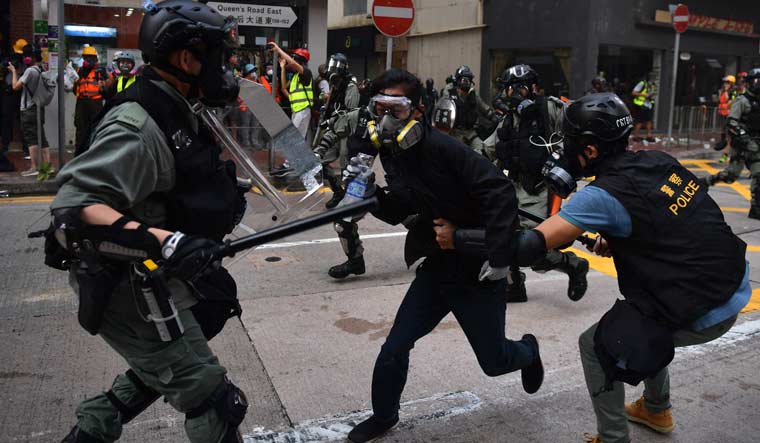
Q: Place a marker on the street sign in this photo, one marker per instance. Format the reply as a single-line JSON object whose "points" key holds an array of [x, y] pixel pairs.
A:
{"points": [[680, 18], [393, 18], [257, 15]]}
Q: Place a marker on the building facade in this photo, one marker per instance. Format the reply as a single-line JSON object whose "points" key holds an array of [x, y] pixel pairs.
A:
{"points": [[571, 42]]}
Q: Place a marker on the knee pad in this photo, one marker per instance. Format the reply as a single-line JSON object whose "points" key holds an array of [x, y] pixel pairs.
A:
{"points": [[129, 412], [230, 404]]}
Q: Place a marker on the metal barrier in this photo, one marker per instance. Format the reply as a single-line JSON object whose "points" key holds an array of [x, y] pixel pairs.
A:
{"points": [[698, 120]]}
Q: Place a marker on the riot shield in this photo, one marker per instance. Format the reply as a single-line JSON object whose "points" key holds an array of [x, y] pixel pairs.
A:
{"points": [[444, 114], [271, 153]]}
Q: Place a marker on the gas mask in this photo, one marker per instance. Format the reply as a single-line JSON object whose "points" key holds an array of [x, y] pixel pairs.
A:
{"points": [[519, 94], [216, 85], [393, 127], [126, 68], [464, 83], [563, 169]]}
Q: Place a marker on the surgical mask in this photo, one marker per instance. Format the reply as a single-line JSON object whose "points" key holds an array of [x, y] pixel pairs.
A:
{"points": [[270, 73]]}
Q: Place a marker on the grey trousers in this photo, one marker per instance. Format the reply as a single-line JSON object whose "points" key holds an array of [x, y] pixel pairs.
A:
{"points": [[609, 407]]}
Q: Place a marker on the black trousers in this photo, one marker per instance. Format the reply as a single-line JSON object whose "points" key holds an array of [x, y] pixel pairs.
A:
{"points": [[85, 112], [10, 119], [480, 309]]}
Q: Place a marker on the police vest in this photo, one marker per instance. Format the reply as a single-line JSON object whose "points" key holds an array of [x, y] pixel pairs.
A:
{"points": [[122, 85], [534, 122], [87, 86], [639, 100], [204, 198], [681, 260], [301, 97], [752, 119]]}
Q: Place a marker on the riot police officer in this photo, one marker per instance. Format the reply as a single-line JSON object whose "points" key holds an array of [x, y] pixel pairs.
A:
{"points": [[343, 97], [530, 128], [598, 84], [151, 185], [474, 118], [743, 126], [348, 134], [681, 270]]}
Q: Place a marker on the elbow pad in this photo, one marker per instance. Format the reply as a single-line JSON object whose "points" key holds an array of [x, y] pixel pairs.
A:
{"points": [[530, 247]]}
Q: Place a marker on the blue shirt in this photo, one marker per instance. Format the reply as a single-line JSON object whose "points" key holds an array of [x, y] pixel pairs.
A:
{"points": [[593, 209]]}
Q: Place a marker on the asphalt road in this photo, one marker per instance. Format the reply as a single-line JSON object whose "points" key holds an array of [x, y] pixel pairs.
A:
{"points": [[305, 346]]}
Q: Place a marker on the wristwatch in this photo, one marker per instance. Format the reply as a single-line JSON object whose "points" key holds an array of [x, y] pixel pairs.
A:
{"points": [[170, 244]]}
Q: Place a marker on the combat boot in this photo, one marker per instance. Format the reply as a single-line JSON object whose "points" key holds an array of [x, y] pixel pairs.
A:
{"points": [[516, 292], [754, 212], [79, 436], [661, 422], [371, 429], [352, 266], [576, 269], [336, 198]]}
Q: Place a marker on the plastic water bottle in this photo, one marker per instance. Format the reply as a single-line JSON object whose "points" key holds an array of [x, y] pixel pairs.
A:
{"points": [[357, 188]]}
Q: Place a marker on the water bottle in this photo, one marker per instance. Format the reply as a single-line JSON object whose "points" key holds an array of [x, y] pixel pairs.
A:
{"points": [[357, 187]]}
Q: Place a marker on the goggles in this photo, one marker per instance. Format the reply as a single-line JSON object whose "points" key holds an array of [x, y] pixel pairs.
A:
{"points": [[399, 107]]}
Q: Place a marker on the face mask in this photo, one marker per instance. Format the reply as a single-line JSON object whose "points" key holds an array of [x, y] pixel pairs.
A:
{"points": [[27, 60], [125, 68], [563, 169], [218, 86]]}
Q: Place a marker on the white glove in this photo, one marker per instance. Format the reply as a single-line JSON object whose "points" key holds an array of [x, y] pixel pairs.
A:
{"points": [[487, 272]]}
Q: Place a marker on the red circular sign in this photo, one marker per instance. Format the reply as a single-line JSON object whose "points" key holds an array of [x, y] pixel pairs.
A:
{"points": [[681, 18], [393, 18]]}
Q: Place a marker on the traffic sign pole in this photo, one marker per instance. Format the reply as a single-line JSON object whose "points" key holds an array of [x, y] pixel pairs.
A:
{"points": [[389, 54], [677, 48]]}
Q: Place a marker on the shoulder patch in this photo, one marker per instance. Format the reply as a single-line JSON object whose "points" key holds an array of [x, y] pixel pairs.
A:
{"points": [[131, 114]]}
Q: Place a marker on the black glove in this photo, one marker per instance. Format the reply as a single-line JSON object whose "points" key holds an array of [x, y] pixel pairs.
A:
{"points": [[188, 257], [720, 145]]}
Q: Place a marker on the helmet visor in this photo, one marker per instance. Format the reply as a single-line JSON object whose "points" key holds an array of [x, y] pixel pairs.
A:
{"points": [[398, 106], [336, 66]]}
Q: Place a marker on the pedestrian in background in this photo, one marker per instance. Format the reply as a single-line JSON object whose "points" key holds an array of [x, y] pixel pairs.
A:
{"points": [[93, 82], [643, 102], [298, 89], [33, 133]]}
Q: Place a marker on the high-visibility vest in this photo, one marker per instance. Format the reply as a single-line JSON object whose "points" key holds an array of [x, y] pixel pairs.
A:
{"points": [[301, 97], [122, 85], [723, 104], [639, 100], [87, 86]]}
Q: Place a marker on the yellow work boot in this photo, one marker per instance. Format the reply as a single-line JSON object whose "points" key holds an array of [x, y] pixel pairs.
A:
{"points": [[659, 421]]}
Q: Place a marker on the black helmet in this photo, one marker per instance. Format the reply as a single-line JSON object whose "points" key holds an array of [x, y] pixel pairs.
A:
{"points": [[338, 64], [602, 116], [184, 24], [519, 74], [599, 80], [753, 81], [463, 77]]}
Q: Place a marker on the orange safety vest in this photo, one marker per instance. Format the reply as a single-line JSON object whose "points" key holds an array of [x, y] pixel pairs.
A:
{"points": [[723, 104], [87, 87], [268, 87], [241, 104]]}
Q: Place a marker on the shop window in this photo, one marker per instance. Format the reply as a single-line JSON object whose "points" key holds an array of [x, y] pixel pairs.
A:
{"points": [[354, 7]]}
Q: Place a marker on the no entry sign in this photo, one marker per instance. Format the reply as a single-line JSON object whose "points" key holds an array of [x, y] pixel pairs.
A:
{"points": [[393, 18], [681, 18]]}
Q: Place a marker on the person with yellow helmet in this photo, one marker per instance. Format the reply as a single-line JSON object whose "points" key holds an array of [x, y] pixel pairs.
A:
{"points": [[93, 82], [724, 100]]}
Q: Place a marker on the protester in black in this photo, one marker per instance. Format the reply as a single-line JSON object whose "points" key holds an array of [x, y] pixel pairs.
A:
{"points": [[444, 185]]}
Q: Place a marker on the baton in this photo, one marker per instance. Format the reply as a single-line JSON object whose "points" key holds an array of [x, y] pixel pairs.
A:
{"points": [[583, 239], [230, 248]]}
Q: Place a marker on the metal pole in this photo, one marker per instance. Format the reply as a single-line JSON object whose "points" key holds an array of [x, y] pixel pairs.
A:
{"points": [[275, 78], [61, 92], [673, 86], [389, 54]]}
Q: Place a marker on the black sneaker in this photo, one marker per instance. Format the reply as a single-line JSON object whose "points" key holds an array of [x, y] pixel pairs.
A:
{"points": [[516, 292], [533, 374], [352, 266], [371, 429], [576, 287]]}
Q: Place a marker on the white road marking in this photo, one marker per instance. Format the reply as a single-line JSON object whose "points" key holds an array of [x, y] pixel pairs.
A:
{"points": [[336, 428], [246, 228], [321, 241]]}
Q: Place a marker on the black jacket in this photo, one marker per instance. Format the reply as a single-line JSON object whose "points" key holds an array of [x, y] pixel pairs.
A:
{"points": [[442, 178]]}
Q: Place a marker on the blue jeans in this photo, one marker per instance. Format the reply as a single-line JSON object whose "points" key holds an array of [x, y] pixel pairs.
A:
{"points": [[480, 309]]}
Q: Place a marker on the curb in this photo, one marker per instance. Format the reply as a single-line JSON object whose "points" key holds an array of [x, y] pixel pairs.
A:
{"points": [[48, 187]]}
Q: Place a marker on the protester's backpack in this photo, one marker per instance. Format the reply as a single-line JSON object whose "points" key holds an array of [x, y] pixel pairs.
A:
{"points": [[45, 90]]}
